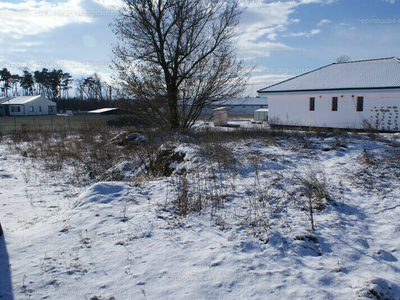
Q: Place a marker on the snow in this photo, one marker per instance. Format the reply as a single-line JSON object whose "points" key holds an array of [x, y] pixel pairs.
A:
{"points": [[122, 239]]}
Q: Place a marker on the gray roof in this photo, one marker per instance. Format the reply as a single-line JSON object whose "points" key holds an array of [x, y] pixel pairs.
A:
{"points": [[3, 99], [23, 100], [365, 74], [242, 102]]}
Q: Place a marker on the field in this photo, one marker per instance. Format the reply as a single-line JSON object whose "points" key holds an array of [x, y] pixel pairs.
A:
{"points": [[254, 213], [52, 123]]}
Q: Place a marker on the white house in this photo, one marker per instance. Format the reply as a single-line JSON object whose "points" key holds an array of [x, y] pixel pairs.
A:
{"points": [[27, 106], [341, 95]]}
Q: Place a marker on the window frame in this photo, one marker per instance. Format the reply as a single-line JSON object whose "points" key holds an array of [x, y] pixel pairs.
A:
{"points": [[312, 104], [360, 104], [31, 108], [335, 101]]}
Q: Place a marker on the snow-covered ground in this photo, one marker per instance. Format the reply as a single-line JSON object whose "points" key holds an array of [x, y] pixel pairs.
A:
{"points": [[252, 238]]}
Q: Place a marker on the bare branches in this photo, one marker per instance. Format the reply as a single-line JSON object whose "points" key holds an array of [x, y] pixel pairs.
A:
{"points": [[187, 47]]}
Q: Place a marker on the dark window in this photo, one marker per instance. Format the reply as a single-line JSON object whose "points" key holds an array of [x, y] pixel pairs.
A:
{"points": [[334, 103], [31, 109], [12, 108], [312, 103], [360, 103], [50, 109], [40, 109]]}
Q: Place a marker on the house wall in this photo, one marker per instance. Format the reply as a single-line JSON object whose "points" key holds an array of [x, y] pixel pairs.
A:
{"points": [[16, 110], [381, 109], [40, 108], [38, 103]]}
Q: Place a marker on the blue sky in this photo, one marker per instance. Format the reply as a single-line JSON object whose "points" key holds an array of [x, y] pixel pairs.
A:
{"points": [[280, 38]]}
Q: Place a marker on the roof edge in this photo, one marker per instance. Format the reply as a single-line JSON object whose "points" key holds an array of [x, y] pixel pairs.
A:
{"points": [[332, 89], [357, 61], [259, 91], [371, 59]]}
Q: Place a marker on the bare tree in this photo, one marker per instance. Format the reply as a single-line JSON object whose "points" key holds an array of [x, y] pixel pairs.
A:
{"points": [[5, 77], [27, 83], [92, 87], [176, 57], [342, 59]]}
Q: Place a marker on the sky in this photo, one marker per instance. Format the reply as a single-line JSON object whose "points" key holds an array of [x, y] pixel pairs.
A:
{"points": [[280, 39]]}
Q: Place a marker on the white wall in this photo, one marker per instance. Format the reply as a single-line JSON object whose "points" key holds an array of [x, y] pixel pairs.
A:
{"points": [[15, 107], [381, 109], [40, 107], [38, 103]]}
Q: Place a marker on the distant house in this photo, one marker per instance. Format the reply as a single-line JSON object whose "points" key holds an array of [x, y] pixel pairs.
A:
{"points": [[245, 106], [341, 95], [27, 106]]}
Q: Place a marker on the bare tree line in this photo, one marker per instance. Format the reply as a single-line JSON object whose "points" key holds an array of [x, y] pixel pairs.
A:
{"points": [[55, 84]]}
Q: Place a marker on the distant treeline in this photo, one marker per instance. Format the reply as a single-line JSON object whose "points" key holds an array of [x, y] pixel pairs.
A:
{"points": [[54, 85]]}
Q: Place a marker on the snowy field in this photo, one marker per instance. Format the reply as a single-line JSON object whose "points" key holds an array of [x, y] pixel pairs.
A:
{"points": [[231, 221]]}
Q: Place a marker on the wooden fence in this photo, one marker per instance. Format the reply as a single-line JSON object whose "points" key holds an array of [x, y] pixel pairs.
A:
{"points": [[9, 124]]}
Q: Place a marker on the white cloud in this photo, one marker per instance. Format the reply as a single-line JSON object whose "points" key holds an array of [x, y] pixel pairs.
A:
{"points": [[323, 22], [115, 4], [260, 24], [347, 26], [272, 36], [249, 50], [33, 17], [304, 33], [390, 1], [259, 82], [76, 68], [265, 22], [318, 1]]}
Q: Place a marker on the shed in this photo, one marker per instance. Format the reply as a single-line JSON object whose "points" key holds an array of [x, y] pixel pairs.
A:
{"points": [[354, 94], [261, 114], [220, 116]]}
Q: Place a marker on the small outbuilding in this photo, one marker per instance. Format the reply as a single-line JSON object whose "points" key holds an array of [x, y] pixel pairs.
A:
{"points": [[356, 94], [220, 116], [261, 115], [28, 106]]}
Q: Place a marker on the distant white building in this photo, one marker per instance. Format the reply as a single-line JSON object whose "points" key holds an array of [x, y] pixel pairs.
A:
{"points": [[27, 106], [341, 95], [104, 111], [245, 106]]}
